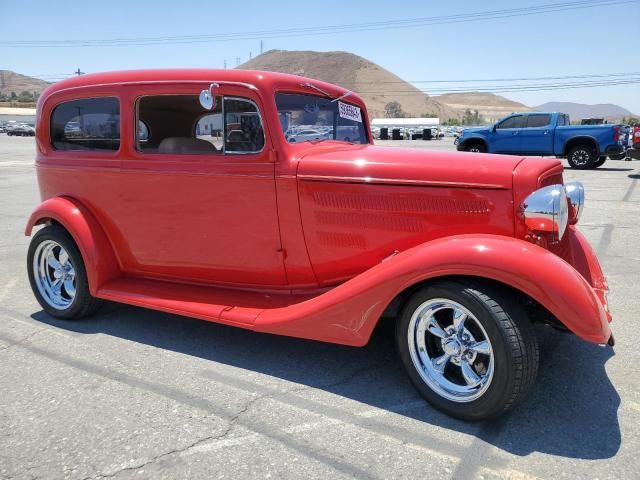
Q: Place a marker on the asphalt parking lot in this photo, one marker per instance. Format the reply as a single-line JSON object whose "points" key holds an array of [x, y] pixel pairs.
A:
{"points": [[133, 393]]}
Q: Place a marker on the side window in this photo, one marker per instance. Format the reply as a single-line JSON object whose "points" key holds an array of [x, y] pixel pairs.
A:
{"points": [[516, 121], [177, 124], [538, 120], [87, 124], [243, 130]]}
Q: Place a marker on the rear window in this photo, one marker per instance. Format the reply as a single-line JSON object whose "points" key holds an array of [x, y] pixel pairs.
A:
{"points": [[87, 124], [538, 120]]}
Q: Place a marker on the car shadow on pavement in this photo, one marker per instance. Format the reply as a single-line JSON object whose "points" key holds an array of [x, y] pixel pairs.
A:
{"points": [[571, 412], [610, 169]]}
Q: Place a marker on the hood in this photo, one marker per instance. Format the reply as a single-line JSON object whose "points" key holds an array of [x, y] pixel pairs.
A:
{"points": [[468, 131], [406, 166]]}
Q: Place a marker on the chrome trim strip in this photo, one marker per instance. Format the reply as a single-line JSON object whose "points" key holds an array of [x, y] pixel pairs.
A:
{"points": [[399, 181]]}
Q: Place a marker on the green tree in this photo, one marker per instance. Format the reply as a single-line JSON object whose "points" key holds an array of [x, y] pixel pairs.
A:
{"points": [[431, 115], [472, 118], [14, 96], [394, 110], [25, 96], [451, 122]]}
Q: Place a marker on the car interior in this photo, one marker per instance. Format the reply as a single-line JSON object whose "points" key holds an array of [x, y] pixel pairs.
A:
{"points": [[177, 124]]}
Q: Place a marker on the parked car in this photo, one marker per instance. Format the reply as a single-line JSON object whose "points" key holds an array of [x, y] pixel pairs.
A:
{"points": [[305, 135], [21, 131], [633, 152], [584, 146], [317, 240]]}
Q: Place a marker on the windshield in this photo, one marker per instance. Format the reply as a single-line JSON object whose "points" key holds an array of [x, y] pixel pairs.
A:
{"points": [[307, 118]]}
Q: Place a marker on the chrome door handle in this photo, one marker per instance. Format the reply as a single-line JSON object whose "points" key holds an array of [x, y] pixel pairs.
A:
{"points": [[547, 132], [516, 132]]}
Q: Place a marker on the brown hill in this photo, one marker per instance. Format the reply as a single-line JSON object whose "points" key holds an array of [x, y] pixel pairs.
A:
{"points": [[492, 107], [376, 85], [14, 82]]}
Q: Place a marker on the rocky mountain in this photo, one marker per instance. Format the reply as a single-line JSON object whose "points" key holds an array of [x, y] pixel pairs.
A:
{"points": [[581, 110], [14, 82], [376, 85]]}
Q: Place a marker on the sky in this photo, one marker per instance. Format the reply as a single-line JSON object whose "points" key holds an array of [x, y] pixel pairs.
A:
{"points": [[582, 41]]}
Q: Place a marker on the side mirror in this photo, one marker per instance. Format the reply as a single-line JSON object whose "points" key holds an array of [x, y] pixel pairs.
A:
{"points": [[208, 97], [494, 128]]}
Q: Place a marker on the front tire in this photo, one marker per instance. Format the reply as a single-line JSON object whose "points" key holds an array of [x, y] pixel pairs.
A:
{"points": [[582, 157], [57, 275], [468, 348], [475, 147]]}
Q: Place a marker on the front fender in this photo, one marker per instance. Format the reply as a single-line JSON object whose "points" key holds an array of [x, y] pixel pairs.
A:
{"points": [[348, 313], [475, 138], [99, 259]]}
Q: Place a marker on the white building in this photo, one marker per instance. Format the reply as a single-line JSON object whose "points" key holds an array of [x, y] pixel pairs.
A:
{"points": [[416, 122]]}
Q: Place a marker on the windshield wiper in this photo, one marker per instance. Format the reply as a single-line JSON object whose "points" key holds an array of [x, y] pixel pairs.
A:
{"points": [[328, 95]]}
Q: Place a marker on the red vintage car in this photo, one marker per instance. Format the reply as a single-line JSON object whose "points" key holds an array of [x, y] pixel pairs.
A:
{"points": [[194, 192]]}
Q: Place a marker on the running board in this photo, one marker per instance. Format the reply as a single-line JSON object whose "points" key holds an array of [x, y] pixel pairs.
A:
{"points": [[215, 304]]}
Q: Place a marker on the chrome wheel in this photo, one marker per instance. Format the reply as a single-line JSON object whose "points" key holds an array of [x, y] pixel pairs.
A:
{"points": [[475, 150], [450, 350], [580, 157], [54, 274]]}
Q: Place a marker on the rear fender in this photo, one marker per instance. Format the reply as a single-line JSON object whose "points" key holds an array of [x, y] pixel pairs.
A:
{"points": [[99, 259], [348, 313]]}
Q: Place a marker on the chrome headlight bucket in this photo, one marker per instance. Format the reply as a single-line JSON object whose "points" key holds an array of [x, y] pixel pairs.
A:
{"points": [[575, 194], [547, 211]]}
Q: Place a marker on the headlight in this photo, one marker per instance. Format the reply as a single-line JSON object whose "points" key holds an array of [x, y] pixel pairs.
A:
{"points": [[547, 211], [575, 192]]}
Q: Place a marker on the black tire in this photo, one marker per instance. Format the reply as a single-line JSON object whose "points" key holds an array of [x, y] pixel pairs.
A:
{"points": [[582, 157], [475, 147], [513, 342], [599, 162], [83, 303]]}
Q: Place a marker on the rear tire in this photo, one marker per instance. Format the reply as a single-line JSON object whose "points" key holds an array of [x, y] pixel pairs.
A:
{"points": [[582, 157], [57, 275], [492, 359]]}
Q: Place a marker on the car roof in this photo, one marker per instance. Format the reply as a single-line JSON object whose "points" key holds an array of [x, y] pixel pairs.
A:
{"points": [[261, 79]]}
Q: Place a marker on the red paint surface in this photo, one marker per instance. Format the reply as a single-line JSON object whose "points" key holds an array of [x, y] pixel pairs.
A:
{"points": [[300, 239]]}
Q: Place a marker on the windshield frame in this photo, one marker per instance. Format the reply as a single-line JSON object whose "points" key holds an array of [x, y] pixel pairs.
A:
{"points": [[357, 103]]}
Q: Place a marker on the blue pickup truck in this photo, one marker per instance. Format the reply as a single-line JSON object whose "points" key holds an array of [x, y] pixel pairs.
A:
{"points": [[541, 134]]}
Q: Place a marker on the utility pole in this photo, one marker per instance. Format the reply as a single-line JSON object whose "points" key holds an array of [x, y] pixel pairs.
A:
{"points": [[225, 63], [237, 61], [250, 54], [261, 46], [78, 72]]}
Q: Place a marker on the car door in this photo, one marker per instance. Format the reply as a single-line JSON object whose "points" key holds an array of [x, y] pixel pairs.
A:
{"points": [[506, 135], [197, 189], [537, 136]]}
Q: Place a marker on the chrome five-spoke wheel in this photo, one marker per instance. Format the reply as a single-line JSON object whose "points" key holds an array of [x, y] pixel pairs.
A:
{"points": [[450, 350], [468, 347], [54, 274], [57, 274]]}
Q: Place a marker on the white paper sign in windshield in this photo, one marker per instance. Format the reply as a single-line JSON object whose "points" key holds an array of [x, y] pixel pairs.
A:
{"points": [[350, 112]]}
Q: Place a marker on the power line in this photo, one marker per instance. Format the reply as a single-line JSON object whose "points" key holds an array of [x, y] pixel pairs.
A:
{"points": [[405, 93], [322, 30], [450, 81]]}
